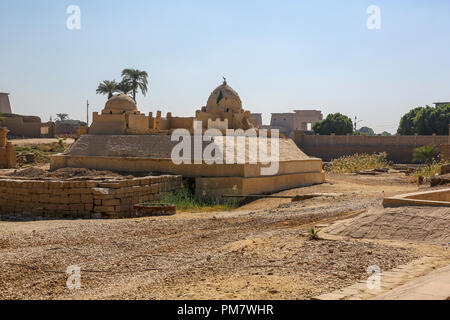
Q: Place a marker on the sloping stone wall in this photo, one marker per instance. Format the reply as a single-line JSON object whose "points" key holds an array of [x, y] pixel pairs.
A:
{"points": [[81, 199]]}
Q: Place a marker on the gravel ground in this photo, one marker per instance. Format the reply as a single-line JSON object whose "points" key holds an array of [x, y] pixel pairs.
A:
{"points": [[261, 251], [228, 255]]}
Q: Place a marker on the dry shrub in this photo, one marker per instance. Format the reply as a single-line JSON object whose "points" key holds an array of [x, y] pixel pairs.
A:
{"points": [[359, 162]]}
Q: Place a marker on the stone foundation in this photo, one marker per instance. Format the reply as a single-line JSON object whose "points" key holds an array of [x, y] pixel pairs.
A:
{"points": [[81, 199]]}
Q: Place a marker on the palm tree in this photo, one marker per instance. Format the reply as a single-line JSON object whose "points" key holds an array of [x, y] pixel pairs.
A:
{"points": [[137, 79], [426, 154], [124, 87], [62, 116], [107, 87]]}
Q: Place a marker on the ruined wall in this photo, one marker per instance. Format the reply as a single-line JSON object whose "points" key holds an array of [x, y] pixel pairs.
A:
{"points": [[25, 126], [81, 199], [7, 156], [398, 148]]}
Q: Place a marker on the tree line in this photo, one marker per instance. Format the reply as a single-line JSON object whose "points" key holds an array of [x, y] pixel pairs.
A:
{"points": [[421, 120]]}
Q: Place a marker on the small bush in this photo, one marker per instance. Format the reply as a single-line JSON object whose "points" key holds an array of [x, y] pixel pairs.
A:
{"points": [[426, 154], [358, 162], [313, 234]]}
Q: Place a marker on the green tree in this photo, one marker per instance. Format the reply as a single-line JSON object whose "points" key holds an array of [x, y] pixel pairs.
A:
{"points": [[367, 131], [425, 154], [426, 121], [107, 87], [137, 79], [386, 134], [334, 123]]}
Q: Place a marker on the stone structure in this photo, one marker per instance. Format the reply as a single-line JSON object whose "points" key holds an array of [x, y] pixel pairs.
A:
{"points": [[256, 120], [119, 140], [81, 199], [7, 152], [68, 127], [303, 120], [5, 106], [23, 126], [120, 116], [225, 104]]}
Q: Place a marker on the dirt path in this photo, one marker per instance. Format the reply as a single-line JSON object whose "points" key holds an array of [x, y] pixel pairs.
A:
{"points": [[260, 251]]}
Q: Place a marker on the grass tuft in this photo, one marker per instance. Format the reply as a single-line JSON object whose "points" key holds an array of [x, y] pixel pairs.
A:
{"points": [[185, 200]]}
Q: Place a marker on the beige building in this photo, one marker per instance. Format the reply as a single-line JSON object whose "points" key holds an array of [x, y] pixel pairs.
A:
{"points": [[122, 139], [289, 122], [20, 125]]}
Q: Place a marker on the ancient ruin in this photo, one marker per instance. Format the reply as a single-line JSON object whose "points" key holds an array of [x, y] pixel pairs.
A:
{"points": [[23, 125], [123, 139], [7, 152]]}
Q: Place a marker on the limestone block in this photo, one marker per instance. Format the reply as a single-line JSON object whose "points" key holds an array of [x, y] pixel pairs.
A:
{"points": [[104, 209], [87, 198], [111, 202], [113, 185], [74, 198]]}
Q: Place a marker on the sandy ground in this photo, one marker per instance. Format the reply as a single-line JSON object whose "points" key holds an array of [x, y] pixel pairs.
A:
{"points": [[260, 251]]}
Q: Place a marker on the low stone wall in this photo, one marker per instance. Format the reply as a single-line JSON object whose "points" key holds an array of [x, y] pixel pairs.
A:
{"points": [[81, 199]]}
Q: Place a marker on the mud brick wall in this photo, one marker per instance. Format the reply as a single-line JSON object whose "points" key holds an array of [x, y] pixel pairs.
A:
{"points": [[445, 151], [399, 148], [81, 199]]}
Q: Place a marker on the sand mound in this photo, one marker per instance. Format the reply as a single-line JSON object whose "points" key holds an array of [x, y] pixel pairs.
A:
{"points": [[63, 173], [429, 224]]}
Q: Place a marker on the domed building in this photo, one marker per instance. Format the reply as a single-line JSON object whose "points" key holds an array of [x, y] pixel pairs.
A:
{"points": [[224, 110], [120, 116], [120, 103], [123, 139]]}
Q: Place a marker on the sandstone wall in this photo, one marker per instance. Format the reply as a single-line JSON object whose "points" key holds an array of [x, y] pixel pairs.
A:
{"points": [[398, 148], [81, 199]]}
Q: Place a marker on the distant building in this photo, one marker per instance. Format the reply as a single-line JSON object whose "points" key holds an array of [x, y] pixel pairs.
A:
{"points": [[68, 127], [256, 119], [289, 122], [20, 125], [5, 106]]}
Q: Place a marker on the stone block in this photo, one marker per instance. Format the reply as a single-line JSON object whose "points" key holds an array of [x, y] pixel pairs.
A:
{"points": [[111, 202]]}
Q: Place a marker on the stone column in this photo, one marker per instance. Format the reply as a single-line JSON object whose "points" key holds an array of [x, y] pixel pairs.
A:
{"points": [[3, 132]]}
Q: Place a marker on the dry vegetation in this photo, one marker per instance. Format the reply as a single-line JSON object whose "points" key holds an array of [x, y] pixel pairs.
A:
{"points": [[38, 153], [359, 162]]}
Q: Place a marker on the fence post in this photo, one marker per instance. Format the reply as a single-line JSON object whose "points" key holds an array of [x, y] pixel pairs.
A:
{"points": [[332, 138]]}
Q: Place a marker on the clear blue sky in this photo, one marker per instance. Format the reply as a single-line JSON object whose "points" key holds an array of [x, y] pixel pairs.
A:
{"points": [[278, 55]]}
